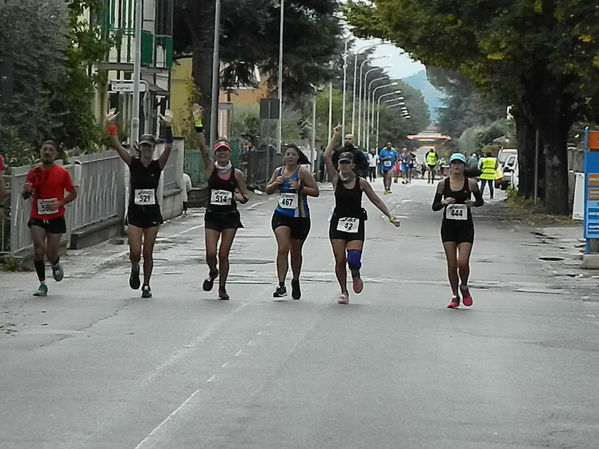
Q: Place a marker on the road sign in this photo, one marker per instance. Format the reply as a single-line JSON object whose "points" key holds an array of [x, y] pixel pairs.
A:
{"points": [[124, 86]]}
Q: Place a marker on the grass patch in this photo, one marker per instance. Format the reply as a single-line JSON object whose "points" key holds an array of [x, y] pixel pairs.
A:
{"points": [[533, 214], [12, 264]]}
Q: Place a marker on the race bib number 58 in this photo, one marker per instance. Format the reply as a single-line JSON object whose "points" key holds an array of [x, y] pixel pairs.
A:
{"points": [[349, 225], [456, 212]]}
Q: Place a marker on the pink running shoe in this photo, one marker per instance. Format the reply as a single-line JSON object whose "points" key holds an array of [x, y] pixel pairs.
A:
{"points": [[343, 298], [357, 284], [455, 303], [466, 297]]}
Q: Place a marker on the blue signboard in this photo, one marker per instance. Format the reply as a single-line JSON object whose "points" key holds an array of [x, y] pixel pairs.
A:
{"points": [[591, 195]]}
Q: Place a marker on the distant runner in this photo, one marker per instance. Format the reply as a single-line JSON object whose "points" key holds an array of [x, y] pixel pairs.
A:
{"points": [[47, 183], [346, 230], [143, 213], [387, 158], [488, 168], [431, 162], [457, 229], [291, 218]]}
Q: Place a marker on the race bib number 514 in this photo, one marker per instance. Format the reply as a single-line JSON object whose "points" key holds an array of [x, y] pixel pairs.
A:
{"points": [[221, 197]]}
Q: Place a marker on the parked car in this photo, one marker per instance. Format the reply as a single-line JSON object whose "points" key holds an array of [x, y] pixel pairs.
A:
{"points": [[505, 171]]}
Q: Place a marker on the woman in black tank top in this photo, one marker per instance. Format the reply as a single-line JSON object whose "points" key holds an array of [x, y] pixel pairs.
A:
{"points": [[346, 231], [453, 195], [226, 186], [143, 213]]}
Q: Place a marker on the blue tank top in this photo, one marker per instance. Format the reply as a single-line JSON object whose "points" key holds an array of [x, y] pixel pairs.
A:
{"points": [[288, 198]]}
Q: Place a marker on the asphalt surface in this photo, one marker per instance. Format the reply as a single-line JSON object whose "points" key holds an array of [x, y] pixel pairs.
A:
{"points": [[95, 366]]}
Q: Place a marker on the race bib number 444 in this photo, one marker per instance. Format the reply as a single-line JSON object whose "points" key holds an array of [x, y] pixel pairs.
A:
{"points": [[144, 197], [221, 197], [456, 212], [46, 206], [348, 224], [288, 200]]}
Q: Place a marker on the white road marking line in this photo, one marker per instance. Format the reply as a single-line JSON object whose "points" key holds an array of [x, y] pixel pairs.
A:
{"points": [[250, 343], [212, 378], [224, 365], [193, 228], [188, 348], [255, 205], [238, 353], [168, 418]]}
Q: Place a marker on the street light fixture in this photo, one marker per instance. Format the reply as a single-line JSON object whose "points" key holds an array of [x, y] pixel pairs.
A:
{"points": [[378, 112], [353, 98], [370, 119], [344, 87], [362, 130], [215, 76], [280, 80], [360, 101]]}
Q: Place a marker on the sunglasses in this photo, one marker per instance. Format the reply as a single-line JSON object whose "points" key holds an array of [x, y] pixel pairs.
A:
{"points": [[345, 162]]}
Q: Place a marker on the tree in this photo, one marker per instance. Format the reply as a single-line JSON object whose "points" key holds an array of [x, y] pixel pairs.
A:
{"points": [[28, 118], [250, 39], [540, 56]]}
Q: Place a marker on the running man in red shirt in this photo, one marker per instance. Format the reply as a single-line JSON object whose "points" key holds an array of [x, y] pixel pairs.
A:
{"points": [[47, 183]]}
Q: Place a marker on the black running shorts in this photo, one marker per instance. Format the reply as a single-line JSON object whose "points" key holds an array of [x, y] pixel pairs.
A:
{"points": [[300, 226], [144, 217], [334, 234], [218, 222], [53, 226], [458, 232]]}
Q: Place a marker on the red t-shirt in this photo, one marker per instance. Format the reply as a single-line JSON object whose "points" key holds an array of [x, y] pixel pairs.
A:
{"points": [[48, 184], [2, 166]]}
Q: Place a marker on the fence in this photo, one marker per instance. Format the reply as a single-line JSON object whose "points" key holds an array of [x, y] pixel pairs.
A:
{"points": [[101, 196]]}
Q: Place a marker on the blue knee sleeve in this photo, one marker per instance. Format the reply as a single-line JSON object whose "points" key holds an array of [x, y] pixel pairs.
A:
{"points": [[353, 259]]}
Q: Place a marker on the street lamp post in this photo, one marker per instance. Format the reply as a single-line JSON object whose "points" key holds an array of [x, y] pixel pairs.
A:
{"points": [[134, 135], [360, 101], [280, 80], [378, 112], [369, 119], [344, 90], [215, 76], [330, 109], [367, 108], [353, 98]]}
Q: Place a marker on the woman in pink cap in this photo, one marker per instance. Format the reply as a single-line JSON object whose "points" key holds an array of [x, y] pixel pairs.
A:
{"points": [[226, 186]]}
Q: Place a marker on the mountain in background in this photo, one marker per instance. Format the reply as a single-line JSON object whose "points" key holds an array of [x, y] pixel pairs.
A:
{"points": [[432, 97]]}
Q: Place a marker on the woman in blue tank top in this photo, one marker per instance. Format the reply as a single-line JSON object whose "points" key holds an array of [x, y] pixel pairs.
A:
{"points": [[291, 218]]}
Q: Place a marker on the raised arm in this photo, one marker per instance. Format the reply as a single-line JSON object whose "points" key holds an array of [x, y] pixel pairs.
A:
{"points": [[328, 155], [197, 112], [274, 183], [377, 201], [114, 138], [167, 119]]}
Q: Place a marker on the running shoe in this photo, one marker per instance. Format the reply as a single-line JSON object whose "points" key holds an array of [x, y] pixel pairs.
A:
{"points": [[146, 292], [296, 293], [223, 295], [343, 298], [209, 283], [454, 303], [134, 281], [42, 290], [466, 296], [358, 285], [280, 292], [57, 272]]}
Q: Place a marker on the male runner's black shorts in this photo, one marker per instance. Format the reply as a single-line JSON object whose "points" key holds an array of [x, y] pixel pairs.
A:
{"points": [[53, 226], [219, 222], [457, 232], [300, 226], [144, 217]]}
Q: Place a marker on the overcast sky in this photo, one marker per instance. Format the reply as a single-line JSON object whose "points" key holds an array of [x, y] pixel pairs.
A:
{"points": [[401, 64]]}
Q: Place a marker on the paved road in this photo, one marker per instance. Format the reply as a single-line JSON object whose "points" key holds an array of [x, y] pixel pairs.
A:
{"points": [[94, 366]]}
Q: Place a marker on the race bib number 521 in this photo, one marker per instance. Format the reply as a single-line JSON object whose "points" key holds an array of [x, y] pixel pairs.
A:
{"points": [[456, 212], [349, 225], [145, 197]]}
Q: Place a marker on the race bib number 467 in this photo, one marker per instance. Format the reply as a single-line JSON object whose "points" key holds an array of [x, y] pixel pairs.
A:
{"points": [[288, 200], [456, 212], [144, 197], [46, 206], [348, 224], [221, 197]]}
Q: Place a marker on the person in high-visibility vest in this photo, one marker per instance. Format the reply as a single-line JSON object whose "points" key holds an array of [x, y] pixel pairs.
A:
{"points": [[488, 168], [431, 161]]}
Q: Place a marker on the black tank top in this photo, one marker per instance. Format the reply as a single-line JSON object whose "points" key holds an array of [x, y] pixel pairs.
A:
{"points": [[460, 196], [348, 202], [228, 185], [144, 179]]}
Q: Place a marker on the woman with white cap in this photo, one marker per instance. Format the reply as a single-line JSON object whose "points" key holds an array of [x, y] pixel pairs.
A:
{"points": [[226, 185], [346, 230], [454, 195], [143, 213]]}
